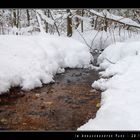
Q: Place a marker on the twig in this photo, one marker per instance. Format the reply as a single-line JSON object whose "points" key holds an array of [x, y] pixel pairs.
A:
{"points": [[94, 38], [109, 61], [83, 39]]}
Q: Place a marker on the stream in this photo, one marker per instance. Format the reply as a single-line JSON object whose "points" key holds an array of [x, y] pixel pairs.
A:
{"points": [[64, 105]]}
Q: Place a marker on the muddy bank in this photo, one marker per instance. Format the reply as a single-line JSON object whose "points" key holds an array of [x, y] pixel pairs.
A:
{"points": [[64, 105]]}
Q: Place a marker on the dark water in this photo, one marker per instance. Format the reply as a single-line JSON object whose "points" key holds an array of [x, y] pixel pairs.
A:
{"points": [[65, 105]]}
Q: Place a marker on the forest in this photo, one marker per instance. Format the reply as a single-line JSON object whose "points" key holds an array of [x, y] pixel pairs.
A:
{"points": [[69, 69]]}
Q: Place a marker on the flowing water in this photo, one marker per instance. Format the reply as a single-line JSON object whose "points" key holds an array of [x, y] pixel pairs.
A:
{"points": [[64, 105]]}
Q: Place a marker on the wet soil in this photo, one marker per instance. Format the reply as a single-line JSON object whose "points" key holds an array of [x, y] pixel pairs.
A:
{"points": [[64, 105]]}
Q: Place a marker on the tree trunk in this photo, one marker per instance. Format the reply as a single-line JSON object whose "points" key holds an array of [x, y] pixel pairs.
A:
{"points": [[17, 20], [95, 24], [46, 23], [69, 24], [77, 19], [105, 24], [82, 14], [28, 17], [14, 18]]}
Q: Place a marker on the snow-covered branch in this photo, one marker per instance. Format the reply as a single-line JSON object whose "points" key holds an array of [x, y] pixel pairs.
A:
{"points": [[118, 19]]}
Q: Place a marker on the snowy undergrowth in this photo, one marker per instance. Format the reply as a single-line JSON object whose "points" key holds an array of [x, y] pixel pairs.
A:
{"points": [[120, 99], [101, 39], [30, 61]]}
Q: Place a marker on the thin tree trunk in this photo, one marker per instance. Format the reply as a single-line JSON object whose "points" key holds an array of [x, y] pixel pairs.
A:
{"points": [[69, 24], [82, 14], [28, 17], [46, 23], [77, 19], [17, 20], [95, 24], [14, 18], [54, 22], [105, 24], [39, 23]]}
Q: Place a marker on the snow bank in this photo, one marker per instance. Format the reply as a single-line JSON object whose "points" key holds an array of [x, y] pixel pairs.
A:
{"points": [[29, 61], [120, 103]]}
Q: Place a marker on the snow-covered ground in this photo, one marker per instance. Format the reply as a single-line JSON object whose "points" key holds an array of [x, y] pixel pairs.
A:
{"points": [[30, 61], [120, 83]]}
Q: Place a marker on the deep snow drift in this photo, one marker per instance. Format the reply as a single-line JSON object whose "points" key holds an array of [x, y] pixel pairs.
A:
{"points": [[29, 61], [120, 83]]}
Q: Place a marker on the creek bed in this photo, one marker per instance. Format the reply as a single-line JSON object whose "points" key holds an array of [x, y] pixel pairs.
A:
{"points": [[64, 105]]}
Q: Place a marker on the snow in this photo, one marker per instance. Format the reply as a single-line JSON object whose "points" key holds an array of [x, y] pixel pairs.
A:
{"points": [[120, 85], [83, 18], [30, 61]]}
